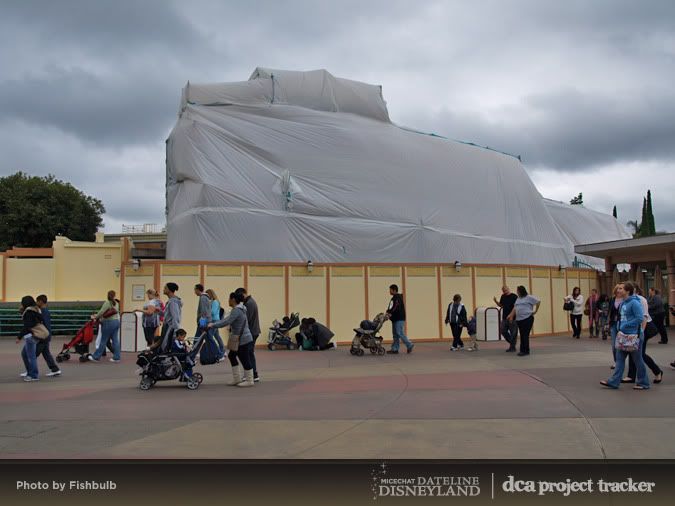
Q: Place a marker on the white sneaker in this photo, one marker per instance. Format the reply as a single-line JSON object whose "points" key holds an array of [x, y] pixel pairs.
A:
{"points": [[23, 374], [453, 348], [91, 358], [54, 373], [115, 359], [256, 379], [28, 379]]}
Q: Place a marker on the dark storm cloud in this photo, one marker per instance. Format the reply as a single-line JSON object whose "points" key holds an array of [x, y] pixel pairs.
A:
{"points": [[572, 130]]}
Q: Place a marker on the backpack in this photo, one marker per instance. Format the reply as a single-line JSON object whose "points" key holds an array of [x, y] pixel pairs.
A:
{"points": [[209, 352], [221, 313]]}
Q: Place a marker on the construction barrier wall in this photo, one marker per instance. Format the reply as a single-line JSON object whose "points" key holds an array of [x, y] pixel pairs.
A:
{"points": [[337, 295]]}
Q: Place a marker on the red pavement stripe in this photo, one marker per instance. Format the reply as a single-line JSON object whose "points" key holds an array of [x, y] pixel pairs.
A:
{"points": [[440, 381]]}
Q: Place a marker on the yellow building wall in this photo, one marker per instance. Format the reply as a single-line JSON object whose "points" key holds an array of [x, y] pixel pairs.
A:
{"points": [[186, 277], [347, 301], [29, 276], [224, 279], [307, 292], [379, 280], [489, 284], [453, 282], [2, 276], [266, 285], [542, 321], [422, 302], [142, 278], [85, 271], [560, 317]]}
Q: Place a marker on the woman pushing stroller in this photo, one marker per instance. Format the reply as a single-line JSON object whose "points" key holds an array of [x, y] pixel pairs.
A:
{"points": [[240, 342]]}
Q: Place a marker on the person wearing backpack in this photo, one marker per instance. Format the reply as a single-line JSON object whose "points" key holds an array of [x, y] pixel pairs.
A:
{"points": [[456, 318], [109, 316], [32, 332]]}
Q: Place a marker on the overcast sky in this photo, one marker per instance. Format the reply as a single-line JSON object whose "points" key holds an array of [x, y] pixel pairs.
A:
{"points": [[583, 91]]}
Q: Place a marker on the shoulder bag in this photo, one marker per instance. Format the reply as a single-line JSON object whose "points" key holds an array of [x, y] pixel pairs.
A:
{"points": [[627, 342]]}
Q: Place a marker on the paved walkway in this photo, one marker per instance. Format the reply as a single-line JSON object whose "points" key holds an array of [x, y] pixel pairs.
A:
{"points": [[430, 404]]}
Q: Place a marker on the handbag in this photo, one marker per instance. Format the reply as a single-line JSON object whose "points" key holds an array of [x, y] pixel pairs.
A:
{"points": [[627, 342], [40, 331], [233, 342], [568, 306], [587, 312]]}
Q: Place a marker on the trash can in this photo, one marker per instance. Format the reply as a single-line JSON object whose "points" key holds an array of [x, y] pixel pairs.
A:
{"points": [[487, 323]]}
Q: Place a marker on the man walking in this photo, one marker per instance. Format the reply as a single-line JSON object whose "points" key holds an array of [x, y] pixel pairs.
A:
{"points": [[509, 328], [396, 313], [43, 344], [172, 311], [456, 318], [203, 313], [253, 325], [658, 313]]}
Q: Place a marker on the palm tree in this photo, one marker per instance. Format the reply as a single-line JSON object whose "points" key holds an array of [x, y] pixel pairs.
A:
{"points": [[635, 226]]}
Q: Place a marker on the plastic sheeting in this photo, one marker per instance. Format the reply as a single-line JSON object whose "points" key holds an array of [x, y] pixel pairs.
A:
{"points": [[298, 166]]}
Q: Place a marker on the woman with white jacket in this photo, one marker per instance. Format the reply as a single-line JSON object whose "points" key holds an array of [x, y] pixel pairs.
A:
{"points": [[577, 311]]}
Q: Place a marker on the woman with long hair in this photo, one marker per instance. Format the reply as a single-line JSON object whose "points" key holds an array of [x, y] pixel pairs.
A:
{"points": [[30, 317], [215, 316], [577, 311], [109, 317]]}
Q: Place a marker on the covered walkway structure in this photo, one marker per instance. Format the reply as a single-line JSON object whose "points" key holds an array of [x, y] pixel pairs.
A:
{"points": [[647, 252]]}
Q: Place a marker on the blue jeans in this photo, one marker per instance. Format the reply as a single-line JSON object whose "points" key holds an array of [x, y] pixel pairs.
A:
{"points": [[399, 335], [613, 332], [221, 345], [110, 329], [29, 355], [636, 355]]}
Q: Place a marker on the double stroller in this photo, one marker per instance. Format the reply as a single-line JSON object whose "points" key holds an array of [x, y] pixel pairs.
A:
{"points": [[80, 342], [366, 337], [279, 334], [163, 365]]}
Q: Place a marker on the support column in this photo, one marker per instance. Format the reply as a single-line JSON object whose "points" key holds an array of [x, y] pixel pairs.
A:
{"points": [[670, 270]]}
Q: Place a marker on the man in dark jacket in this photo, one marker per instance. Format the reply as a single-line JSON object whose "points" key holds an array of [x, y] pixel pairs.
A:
{"points": [[31, 317], [658, 313], [43, 345], [456, 318], [396, 313], [253, 325]]}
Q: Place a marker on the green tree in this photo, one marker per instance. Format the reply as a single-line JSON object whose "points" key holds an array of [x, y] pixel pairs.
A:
{"points": [[614, 212], [650, 214], [578, 200], [33, 210]]}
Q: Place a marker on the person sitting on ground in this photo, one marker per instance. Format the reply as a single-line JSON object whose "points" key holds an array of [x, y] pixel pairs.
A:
{"points": [[314, 336]]}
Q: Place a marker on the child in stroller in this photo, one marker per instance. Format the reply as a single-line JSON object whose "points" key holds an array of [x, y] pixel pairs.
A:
{"points": [[172, 359], [279, 334], [80, 342], [366, 336]]}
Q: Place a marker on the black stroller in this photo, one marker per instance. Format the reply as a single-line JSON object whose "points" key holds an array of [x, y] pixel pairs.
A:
{"points": [[366, 337], [279, 335], [163, 365]]}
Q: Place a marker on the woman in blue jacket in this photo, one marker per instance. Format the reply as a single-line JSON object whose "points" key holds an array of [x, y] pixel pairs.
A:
{"points": [[631, 316]]}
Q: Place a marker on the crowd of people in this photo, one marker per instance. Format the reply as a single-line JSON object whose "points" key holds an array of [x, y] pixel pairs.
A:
{"points": [[627, 313]]}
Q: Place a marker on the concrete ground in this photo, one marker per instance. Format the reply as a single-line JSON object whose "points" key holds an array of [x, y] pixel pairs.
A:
{"points": [[432, 403]]}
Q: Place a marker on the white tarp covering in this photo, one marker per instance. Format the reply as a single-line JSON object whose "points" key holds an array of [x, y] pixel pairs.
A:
{"points": [[297, 166]]}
